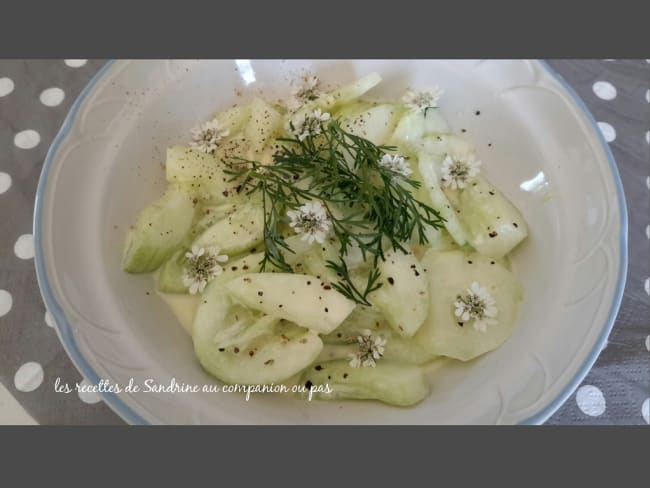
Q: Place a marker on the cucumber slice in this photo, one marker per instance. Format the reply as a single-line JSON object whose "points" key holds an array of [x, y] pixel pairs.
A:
{"points": [[413, 127], [203, 174], [238, 232], [403, 298], [375, 124], [349, 93], [334, 99], [208, 215], [352, 109], [401, 349], [272, 352], [235, 118], [443, 144], [158, 231], [396, 384], [427, 167], [494, 225], [170, 278], [264, 125], [302, 299], [452, 273]]}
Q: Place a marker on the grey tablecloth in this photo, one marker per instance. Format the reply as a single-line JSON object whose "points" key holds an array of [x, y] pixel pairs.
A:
{"points": [[616, 391]]}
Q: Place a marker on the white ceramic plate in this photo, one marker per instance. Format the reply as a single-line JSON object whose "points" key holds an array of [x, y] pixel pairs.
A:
{"points": [[546, 154]]}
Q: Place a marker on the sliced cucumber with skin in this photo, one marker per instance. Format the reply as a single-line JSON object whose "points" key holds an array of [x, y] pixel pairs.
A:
{"points": [[302, 299], [413, 127], [264, 125], [201, 173], [238, 232], [450, 274], [352, 109], [235, 118], [341, 341], [330, 101], [278, 352], [395, 384], [375, 124], [443, 144], [208, 215], [158, 231], [427, 168], [403, 298], [170, 277], [349, 93], [494, 225]]}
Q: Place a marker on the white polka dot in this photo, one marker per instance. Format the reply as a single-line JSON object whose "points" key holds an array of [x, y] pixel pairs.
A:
{"points": [[647, 343], [6, 86], [647, 96], [28, 377], [24, 247], [647, 182], [5, 182], [604, 90], [6, 301], [647, 286], [645, 410], [647, 231], [75, 63], [590, 400], [52, 96], [49, 320], [609, 133], [27, 139], [87, 396]]}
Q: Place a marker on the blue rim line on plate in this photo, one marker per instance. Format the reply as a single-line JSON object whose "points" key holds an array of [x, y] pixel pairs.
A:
{"points": [[64, 329]]}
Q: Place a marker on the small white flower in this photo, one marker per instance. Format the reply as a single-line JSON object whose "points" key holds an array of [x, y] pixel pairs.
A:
{"points": [[456, 172], [371, 349], [311, 125], [312, 221], [477, 305], [201, 267], [420, 101], [306, 91], [206, 137], [396, 163]]}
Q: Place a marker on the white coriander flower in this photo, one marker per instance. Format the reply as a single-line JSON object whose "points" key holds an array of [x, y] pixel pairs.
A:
{"points": [[311, 220], [371, 349], [306, 91], [311, 125], [396, 163], [456, 172], [477, 305], [201, 267], [206, 137], [421, 101]]}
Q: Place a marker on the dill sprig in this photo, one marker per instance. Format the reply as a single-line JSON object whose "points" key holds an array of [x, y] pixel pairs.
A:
{"points": [[370, 206]]}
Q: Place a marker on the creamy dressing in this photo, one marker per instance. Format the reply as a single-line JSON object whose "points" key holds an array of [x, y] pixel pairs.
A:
{"points": [[183, 307]]}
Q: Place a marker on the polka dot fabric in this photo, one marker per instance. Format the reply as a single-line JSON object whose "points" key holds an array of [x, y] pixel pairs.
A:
{"points": [[34, 99], [616, 390]]}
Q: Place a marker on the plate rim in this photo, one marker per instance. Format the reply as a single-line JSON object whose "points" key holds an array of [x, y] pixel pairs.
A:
{"points": [[129, 415]]}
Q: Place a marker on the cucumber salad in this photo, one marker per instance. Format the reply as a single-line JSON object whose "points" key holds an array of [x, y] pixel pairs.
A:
{"points": [[331, 240]]}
